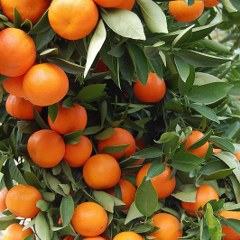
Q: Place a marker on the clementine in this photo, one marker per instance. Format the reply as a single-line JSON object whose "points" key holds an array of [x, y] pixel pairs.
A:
{"points": [[127, 5], [109, 3], [3, 195], [14, 86], [128, 235], [210, 3]]}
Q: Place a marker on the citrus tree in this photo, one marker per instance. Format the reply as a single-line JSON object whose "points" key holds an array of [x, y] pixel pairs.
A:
{"points": [[120, 119]]}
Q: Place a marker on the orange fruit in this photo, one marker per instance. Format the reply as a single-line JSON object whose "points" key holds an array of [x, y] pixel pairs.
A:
{"points": [[109, 3], [162, 183], [153, 91], [205, 193], [15, 232], [28, 9], [229, 233], [217, 150], [120, 137], [21, 200], [181, 12], [20, 108], [94, 238], [169, 227], [69, 238], [237, 155], [69, 119], [127, 5], [77, 154], [191, 139], [45, 84], [14, 86], [70, 19], [97, 168], [18, 52], [46, 148], [210, 3], [89, 219], [128, 236], [3, 194]]}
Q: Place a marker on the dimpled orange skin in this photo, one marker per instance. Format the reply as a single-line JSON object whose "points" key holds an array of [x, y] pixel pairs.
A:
{"points": [[18, 52], [184, 13], [120, 137], [109, 3], [15, 232], [230, 234], [69, 119], [77, 154], [210, 3], [71, 19], [28, 9], [20, 108], [45, 84], [46, 148], [163, 183], [3, 195], [169, 227], [205, 193], [21, 200], [128, 236], [191, 139], [97, 168], [127, 5], [153, 91], [14, 86], [89, 219]]}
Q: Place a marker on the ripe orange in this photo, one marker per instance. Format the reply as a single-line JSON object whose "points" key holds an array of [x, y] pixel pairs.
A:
{"points": [[101, 171], [21, 200], [3, 194], [14, 86], [169, 227], [210, 3], [89, 219], [229, 233], [28, 9], [191, 139], [120, 137], [127, 5], [153, 91], [46, 148], [184, 13], [20, 108], [163, 183], [77, 154], [70, 19], [94, 238], [15, 232], [128, 235], [69, 119], [109, 3], [18, 52], [205, 193], [45, 84], [237, 155]]}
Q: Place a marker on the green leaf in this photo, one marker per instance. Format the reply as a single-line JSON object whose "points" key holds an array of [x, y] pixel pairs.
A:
{"points": [[183, 68], [42, 205], [146, 198], [146, 153], [43, 38], [6, 221], [66, 209], [167, 137], [32, 179], [153, 15], [236, 4], [186, 193], [201, 141], [53, 111], [39, 120], [16, 173], [155, 169], [183, 37], [214, 46], [221, 174], [115, 149], [223, 143], [96, 43], [42, 25], [124, 23], [73, 137], [105, 200], [105, 134], [42, 227], [205, 78], [17, 19], [51, 51], [133, 213]]}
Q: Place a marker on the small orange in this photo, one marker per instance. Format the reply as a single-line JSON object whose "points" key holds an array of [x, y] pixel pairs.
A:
{"points": [[109, 3], [210, 3], [182, 12], [46, 148], [14, 86], [69, 119], [169, 227], [45, 84], [153, 91], [28, 9], [205, 193], [15, 232], [70, 18], [94, 238], [21, 200], [128, 236], [20, 108], [237, 155], [89, 219], [3, 195], [162, 183], [229, 233], [18, 52], [120, 137], [77, 154], [97, 168], [127, 5], [191, 139]]}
